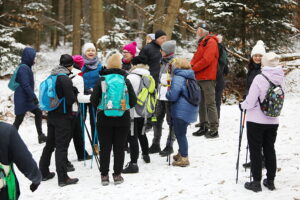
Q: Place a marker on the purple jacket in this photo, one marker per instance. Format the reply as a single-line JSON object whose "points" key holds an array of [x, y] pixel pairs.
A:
{"points": [[259, 89]]}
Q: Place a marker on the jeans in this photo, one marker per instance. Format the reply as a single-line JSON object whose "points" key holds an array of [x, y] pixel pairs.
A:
{"points": [[180, 128]]}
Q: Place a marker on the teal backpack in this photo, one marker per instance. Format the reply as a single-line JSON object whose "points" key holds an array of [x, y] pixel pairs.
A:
{"points": [[48, 98], [115, 98], [13, 84]]}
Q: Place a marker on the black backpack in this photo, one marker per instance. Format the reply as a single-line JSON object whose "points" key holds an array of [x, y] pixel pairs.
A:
{"points": [[194, 92]]}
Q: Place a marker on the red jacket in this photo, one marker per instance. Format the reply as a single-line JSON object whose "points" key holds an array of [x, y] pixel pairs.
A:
{"points": [[205, 60]]}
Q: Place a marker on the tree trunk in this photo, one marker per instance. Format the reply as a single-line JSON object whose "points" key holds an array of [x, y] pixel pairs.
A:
{"points": [[158, 16], [37, 40], [61, 17], [171, 17], [97, 20], [76, 26]]}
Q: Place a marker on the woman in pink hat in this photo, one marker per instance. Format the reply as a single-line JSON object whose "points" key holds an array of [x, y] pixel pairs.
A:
{"points": [[128, 52]]}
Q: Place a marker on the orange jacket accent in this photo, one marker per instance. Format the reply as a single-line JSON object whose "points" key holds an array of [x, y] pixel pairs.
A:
{"points": [[205, 60]]}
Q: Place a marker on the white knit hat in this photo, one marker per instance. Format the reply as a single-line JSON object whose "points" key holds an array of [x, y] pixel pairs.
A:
{"points": [[270, 59], [87, 46], [259, 48]]}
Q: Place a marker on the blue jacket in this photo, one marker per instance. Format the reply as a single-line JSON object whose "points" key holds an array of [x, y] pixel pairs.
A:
{"points": [[180, 107], [24, 94], [90, 77]]}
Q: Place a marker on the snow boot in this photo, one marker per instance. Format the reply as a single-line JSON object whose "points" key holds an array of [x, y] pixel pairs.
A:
{"points": [[155, 148], [177, 156], [146, 158], [198, 125], [104, 180], [131, 168], [50, 175], [118, 179], [255, 186], [269, 184], [182, 162], [166, 151], [42, 138], [202, 131], [212, 134], [68, 181]]}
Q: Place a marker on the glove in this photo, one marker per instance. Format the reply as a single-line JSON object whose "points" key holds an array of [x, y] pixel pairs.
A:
{"points": [[34, 186], [89, 91], [240, 106], [35, 101]]}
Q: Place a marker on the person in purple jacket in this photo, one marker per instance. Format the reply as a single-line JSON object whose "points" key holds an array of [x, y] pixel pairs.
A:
{"points": [[261, 129]]}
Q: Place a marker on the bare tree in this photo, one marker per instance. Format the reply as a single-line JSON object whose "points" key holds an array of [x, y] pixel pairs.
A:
{"points": [[76, 26], [97, 20], [171, 17]]}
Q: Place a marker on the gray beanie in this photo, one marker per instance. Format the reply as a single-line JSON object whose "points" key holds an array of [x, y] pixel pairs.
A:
{"points": [[169, 46]]}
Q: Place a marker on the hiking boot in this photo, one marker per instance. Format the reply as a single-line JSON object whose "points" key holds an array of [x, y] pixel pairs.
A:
{"points": [[168, 150], [70, 167], [68, 181], [198, 125], [202, 131], [118, 179], [42, 138], [49, 176], [104, 180], [146, 158], [87, 157], [131, 168], [177, 156], [269, 184], [181, 162], [155, 148], [212, 134], [254, 186]]}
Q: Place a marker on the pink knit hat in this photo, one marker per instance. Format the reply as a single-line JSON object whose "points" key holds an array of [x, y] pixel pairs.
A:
{"points": [[131, 47], [78, 59]]}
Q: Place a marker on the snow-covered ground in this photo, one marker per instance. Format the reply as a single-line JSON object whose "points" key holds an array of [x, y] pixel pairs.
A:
{"points": [[211, 174]]}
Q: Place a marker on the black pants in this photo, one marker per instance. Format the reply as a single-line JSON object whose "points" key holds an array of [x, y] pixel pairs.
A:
{"points": [[262, 137], [133, 140], [92, 113], [37, 118], [112, 136], [59, 134], [218, 94]]}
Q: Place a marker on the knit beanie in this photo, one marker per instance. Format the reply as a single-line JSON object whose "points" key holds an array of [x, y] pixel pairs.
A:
{"points": [[131, 47], [78, 60], [169, 47], [259, 48], [66, 60], [159, 33], [270, 59], [87, 46], [204, 26], [114, 61], [139, 60], [152, 36]]}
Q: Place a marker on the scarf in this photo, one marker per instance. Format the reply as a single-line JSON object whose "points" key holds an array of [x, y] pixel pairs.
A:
{"points": [[91, 63]]}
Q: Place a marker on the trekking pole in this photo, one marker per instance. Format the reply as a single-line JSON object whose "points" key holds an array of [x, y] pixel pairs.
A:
{"points": [[95, 144], [242, 121], [81, 113], [247, 149]]}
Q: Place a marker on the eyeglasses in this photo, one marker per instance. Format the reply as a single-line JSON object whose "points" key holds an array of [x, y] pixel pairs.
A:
{"points": [[124, 52]]}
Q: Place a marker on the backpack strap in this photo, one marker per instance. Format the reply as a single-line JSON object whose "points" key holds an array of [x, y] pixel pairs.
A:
{"points": [[271, 83]]}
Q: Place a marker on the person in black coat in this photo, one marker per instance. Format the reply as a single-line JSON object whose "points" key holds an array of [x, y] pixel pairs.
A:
{"points": [[14, 151], [60, 126], [112, 131], [24, 98]]}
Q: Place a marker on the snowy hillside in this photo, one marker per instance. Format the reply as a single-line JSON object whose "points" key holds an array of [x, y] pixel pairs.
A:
{"points": [[211, 175]]}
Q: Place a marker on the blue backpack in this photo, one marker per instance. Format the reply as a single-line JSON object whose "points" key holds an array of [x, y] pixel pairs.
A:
{"points": [[47, 95], [13, 84], [115, 98]]}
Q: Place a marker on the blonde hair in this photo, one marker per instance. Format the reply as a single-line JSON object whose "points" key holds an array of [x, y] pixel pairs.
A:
{"points": [[114, 61], [182, 63]]}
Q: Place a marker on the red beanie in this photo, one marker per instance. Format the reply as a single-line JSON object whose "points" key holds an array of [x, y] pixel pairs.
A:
{"points": [[131, 47], [78, 59]]}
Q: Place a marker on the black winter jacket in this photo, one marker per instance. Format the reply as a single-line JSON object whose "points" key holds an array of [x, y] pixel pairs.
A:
{"points": [[96, 99], [254, 70], [13, 150]]}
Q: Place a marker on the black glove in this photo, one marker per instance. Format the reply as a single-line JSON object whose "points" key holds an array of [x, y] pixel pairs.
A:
{"points": [[35, 101], [240, 106], [89, 91], [34, 186]]}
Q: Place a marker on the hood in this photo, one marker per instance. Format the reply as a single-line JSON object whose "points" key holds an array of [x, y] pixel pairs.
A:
{"points": [[140, 71], [275, 74], [186, 73], [60, 69], [113, 71], [211, 36], [28, 56]]}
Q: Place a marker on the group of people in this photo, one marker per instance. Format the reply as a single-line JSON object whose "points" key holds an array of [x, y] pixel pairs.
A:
{"points": [[84, 83]]}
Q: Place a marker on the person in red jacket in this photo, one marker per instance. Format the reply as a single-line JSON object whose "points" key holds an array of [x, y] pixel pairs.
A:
{"points": [[205, 64]]}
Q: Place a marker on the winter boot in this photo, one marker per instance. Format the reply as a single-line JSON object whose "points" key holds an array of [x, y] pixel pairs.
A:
{"points": [[118, 179], [68, 181], [70, 167], [255, 186], [198, 125], [177, 156], [269, 184], [49, 176], [146, 158], [166, 151], [212, 134], [202, 131], [182, 162], [104, 180], [155, 148], [42, 138], [131, 168]]}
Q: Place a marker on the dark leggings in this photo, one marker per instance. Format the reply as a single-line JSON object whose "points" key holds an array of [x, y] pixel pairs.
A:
{"points": [[37, 118]]}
